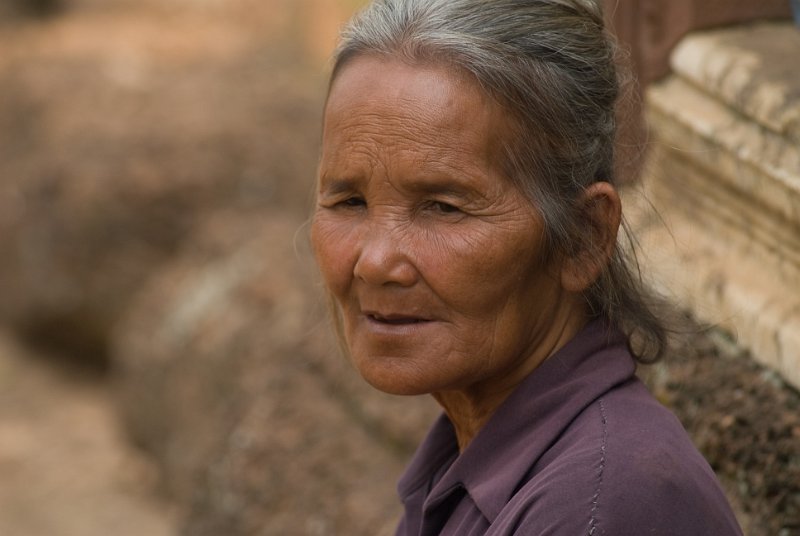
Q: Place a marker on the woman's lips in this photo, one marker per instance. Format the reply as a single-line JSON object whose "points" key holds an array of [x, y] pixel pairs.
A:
{"points": [[394, 328], [395, 320]]}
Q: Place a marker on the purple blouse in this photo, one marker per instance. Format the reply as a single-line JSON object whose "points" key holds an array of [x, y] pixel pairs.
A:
{"points": [[579, 448]]}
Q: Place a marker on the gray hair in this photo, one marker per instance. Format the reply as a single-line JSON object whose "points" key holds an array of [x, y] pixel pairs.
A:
{"points": [[552, 66]]}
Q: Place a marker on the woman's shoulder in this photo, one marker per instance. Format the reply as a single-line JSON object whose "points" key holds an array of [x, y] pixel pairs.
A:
{"points": [[652, 474], [625, 465]]}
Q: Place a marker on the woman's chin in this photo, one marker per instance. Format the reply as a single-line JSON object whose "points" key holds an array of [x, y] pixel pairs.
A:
{"points": [[391, 377]]}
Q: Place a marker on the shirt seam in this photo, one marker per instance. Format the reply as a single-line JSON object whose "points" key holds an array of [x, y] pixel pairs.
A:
{"points": [[598, 488]]}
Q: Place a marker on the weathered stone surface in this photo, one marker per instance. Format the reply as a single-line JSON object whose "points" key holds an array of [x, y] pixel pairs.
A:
{"points": [[651, 28], [751, 69], [724, 175], [647, 31], [230, 377]]}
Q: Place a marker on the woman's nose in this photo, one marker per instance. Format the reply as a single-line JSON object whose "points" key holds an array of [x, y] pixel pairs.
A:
{"points": [[383, 260]]}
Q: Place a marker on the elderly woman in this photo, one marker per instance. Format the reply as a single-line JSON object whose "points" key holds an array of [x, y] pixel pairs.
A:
{"points": [[466, 230]]}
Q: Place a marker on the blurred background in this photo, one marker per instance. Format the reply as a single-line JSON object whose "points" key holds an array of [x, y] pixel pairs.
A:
{"points": [[134, 134], [165, 363]]}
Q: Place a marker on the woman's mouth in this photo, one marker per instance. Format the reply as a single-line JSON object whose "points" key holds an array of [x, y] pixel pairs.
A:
{"points": [[395, 319]]}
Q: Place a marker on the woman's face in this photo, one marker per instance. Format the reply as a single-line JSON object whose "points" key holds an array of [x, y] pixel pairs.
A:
{"points": [[433, 257]]}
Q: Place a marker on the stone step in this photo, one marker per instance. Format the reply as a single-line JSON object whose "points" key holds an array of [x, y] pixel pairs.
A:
{"points": [[731, 175], [752, 69]]}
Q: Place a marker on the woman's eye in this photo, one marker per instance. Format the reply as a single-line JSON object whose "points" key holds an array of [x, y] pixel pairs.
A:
{"points": [[353, 202], [445, 208]]}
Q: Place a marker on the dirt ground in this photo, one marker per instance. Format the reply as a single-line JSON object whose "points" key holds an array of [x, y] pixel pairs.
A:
{"points": [[65, 464]]}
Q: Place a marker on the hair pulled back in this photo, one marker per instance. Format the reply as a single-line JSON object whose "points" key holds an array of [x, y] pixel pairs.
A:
{"points": [[551, 65]]}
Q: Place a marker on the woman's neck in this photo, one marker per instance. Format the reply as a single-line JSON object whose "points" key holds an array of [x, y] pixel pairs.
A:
{"points": [[471, 408]]}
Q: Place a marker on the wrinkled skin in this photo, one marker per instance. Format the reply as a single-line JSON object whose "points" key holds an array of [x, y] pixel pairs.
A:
{"points": [[433, 257]]}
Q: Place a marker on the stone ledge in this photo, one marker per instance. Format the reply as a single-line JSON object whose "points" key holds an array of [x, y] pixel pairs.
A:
{"points": [[742, 155], [753, 69], [724, 176]]}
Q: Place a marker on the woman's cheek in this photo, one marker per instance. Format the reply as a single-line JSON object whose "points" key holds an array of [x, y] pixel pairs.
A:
{"points": [[334, 244], [476, 253]]}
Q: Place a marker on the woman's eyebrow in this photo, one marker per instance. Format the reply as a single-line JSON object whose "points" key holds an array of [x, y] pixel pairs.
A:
{"points": [[337, 185], [440, 186]]}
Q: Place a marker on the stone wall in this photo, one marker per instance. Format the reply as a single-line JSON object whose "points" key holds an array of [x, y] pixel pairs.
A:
{"points": [[724, 175]]}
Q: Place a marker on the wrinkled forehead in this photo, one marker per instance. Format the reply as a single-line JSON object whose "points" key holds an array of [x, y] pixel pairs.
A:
{"points": [[371, 95]]}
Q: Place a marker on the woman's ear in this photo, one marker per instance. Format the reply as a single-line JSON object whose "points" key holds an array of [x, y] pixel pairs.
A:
{"points": [[602, 210]]}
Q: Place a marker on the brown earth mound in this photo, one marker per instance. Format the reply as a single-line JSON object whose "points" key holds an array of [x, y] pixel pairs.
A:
{"points": [[119, 127]]}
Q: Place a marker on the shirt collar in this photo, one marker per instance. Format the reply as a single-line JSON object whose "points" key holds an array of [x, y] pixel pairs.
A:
{"points": [[525, 425]]}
